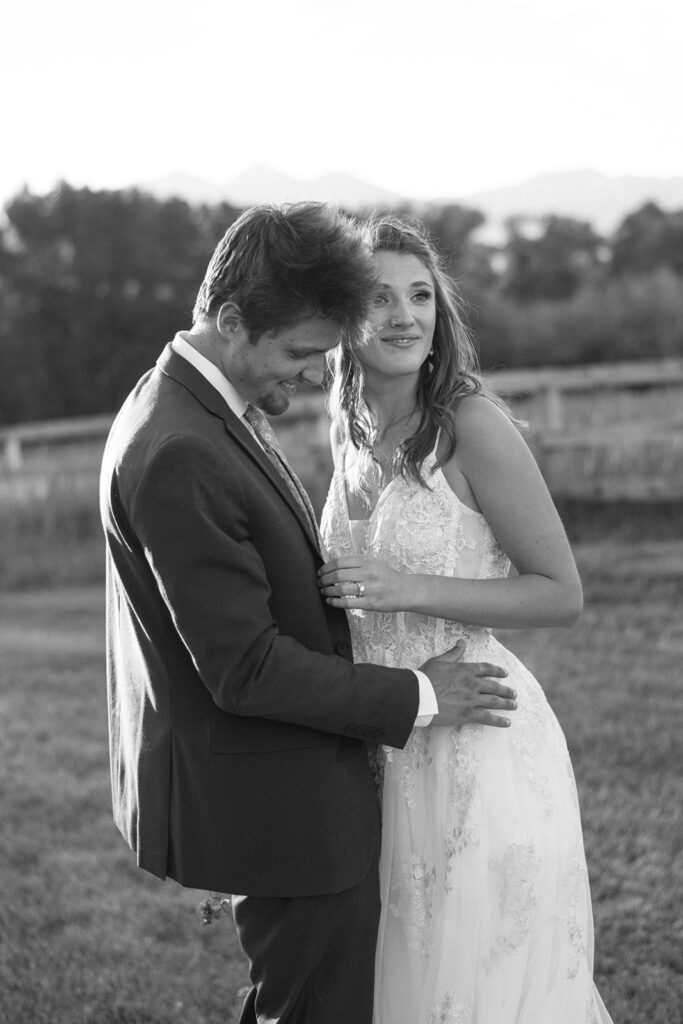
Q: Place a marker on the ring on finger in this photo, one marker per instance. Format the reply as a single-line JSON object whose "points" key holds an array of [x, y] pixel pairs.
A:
{"points": [[360, 590]]}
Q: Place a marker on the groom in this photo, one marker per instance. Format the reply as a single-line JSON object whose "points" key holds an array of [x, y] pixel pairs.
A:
{"points": [[238, 722]]}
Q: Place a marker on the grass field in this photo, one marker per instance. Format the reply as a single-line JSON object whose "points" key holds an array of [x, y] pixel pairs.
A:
{"points": [[86, 938]]}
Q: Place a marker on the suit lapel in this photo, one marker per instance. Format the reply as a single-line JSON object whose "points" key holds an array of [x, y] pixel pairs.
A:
{"points": [[173, 365]]}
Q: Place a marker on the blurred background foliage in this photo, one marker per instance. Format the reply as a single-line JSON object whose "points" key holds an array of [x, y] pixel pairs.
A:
{"points": [[93, 283]]}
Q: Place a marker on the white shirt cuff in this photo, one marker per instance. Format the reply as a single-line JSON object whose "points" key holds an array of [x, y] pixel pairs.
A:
{"points": [[428, 706]]}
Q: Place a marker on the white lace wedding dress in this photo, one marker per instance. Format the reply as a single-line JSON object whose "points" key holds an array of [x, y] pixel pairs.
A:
{"points": [[486, 914]]}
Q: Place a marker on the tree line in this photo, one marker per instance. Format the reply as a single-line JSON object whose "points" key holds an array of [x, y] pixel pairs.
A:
{"points": [[93, 283]]}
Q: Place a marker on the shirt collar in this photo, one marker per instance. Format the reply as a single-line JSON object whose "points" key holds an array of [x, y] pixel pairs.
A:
{"points": [[210, 371]]}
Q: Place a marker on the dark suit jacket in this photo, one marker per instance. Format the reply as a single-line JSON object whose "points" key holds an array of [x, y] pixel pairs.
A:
{"points": [[237, 719]]}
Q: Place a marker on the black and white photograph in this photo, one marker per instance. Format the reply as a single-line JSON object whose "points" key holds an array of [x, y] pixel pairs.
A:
{"points": [[341, 512]]}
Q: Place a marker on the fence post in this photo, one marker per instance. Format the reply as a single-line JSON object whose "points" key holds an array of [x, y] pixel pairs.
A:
{"points": [[552, 408], [13, 455]]}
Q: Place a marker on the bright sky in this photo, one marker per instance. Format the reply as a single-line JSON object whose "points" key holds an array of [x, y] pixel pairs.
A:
{"points": [[430, 98]]}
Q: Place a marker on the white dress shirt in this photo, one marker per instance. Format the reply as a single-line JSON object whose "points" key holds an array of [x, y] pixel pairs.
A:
{"points": [[428, 706]]}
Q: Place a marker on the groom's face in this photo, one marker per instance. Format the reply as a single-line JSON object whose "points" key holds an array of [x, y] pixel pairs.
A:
{"points": [[267, 372]]}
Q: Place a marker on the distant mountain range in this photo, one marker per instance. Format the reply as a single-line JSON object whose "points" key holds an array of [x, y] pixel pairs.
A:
{"points": [[584, 194], [262, 184]]}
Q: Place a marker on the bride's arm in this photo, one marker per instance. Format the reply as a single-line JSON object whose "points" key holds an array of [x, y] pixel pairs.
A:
{"points": [[505, 482]]}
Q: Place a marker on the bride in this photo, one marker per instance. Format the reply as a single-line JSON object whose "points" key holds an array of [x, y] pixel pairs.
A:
{"points": [[441, 529]]}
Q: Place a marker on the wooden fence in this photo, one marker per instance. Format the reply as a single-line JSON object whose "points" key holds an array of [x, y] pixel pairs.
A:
{"points": [[606, 432]]}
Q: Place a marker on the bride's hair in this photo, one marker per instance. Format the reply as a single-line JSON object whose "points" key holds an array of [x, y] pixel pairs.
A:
{"points": [[449, 373]]}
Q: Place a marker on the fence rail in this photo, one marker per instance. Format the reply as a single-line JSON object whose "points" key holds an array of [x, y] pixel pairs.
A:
{"points": [[552, 386], [633, 457]]}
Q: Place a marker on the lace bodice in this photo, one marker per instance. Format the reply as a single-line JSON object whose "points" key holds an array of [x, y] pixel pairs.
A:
{"points": [[418, 530]]}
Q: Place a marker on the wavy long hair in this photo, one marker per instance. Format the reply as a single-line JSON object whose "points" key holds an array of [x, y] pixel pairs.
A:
{"points": [[449, 373]]}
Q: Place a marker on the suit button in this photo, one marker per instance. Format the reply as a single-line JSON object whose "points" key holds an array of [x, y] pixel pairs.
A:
{"points": [[343, 649]]}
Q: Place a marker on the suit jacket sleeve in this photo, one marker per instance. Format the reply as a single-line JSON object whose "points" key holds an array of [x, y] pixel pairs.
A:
{"points": [[191, 514]]}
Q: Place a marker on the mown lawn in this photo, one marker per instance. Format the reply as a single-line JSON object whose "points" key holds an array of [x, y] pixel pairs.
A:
{"points": [[86, 938]]}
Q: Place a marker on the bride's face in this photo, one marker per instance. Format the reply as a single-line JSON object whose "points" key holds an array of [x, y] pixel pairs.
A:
{"points": [[402, 319]]}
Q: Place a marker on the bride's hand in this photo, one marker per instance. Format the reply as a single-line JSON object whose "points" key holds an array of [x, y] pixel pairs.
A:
{"points": [[360, 581]]}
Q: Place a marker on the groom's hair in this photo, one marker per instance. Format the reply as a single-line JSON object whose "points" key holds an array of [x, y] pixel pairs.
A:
{"points": [[282, 264]]}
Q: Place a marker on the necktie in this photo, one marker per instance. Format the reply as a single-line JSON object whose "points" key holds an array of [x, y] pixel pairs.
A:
{"points": [[266, 435]]}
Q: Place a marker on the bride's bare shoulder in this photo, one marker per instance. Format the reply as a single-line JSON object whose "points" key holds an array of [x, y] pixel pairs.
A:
{"points": [[478, 410], [482, 426]]}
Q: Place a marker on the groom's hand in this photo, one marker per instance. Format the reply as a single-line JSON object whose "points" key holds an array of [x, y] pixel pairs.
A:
{"points": [[467, 692]]}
